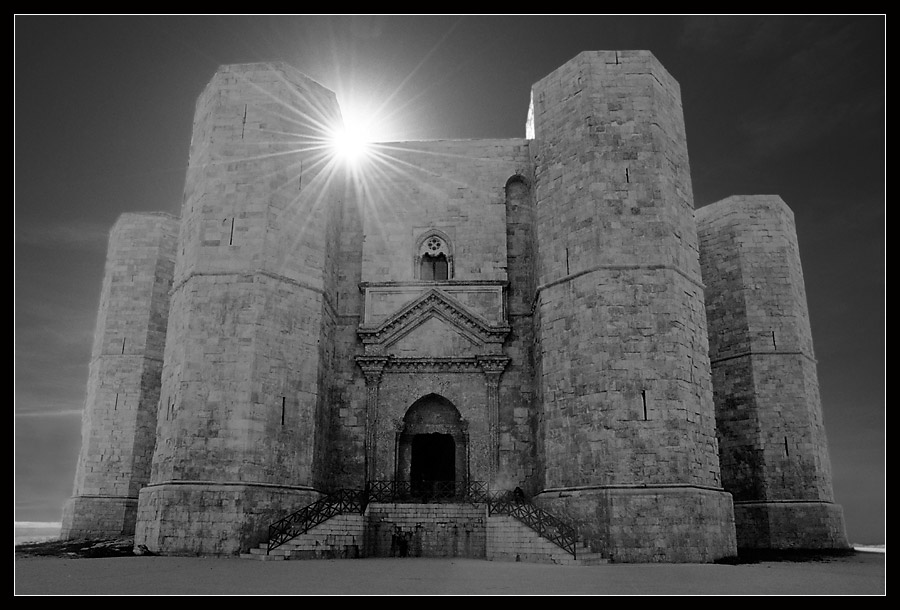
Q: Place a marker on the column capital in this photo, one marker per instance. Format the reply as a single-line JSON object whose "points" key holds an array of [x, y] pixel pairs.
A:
{"points": [[372, 367], [493, 365]]}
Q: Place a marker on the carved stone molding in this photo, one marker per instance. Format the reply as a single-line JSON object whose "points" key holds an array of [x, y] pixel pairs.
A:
{"points": [[432, 365], [493, 365], [372, 368]]}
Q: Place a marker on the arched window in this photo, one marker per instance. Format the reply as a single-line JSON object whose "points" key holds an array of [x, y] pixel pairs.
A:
{"points": [[434, 263]]}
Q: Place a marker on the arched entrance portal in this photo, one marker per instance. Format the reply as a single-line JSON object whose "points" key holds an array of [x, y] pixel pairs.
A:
{"points": [[432, 448]]}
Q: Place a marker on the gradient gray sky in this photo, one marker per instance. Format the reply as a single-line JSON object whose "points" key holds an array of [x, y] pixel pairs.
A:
{"points": [[104, 105]]}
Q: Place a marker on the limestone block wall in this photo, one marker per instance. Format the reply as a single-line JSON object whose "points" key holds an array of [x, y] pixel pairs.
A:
{"points": [[774, 450], [508, 539], [624, 370], [437, 530], [208, 518], [119, 420], [343, 463], [456, 187], [246, 379]]}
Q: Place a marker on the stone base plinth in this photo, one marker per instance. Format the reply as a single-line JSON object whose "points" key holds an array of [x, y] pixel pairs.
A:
{"points": [[96, 517], [649, 524], [789, 525], [195, 518]]}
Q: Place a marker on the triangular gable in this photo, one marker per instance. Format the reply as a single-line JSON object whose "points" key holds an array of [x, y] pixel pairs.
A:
{"points": [[434, 303]]}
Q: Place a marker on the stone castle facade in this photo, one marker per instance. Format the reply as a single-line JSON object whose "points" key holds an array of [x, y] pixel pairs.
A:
{"points": [[549, 313]]}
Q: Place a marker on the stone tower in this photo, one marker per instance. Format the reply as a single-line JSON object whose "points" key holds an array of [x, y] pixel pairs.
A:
{"points": [[623, 379], [119, 421], [774, 452], [250, 318]]}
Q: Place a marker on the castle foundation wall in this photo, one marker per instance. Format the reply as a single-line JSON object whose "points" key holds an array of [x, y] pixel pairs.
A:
{"points": [[677, 524], [99, 516], [201, 518], [789, 525]]}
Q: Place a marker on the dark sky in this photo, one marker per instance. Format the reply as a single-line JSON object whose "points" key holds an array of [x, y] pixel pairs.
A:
{"points": [[793, 106]]}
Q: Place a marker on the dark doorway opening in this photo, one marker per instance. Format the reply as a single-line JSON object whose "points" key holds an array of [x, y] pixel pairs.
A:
{"points": [[434, 268], [432, 471]]}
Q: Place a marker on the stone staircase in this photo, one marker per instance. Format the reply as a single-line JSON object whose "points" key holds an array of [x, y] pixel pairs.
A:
{"points": [[341, 537], [424, 530], [508, 539]]}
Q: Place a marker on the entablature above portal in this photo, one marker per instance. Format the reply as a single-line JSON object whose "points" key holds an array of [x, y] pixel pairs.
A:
{"points": [[483, 298], [375, 366]]}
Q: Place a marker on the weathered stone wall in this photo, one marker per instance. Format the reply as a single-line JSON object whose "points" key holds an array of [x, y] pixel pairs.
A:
{"points": [[244, 383], [456, 187], [209, 518], [519, 413], [119, 420], [343, 462], [437, 530], [508, 539], [771, 432], [641, 524]]}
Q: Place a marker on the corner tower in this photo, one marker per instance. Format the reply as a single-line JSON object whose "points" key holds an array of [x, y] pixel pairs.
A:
{"points": [[119, 421], [773, 448], [245, 378], [628, 425]]}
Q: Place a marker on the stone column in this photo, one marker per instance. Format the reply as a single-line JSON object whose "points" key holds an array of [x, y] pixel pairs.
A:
{"points": [[372, 368], [492, 367]]}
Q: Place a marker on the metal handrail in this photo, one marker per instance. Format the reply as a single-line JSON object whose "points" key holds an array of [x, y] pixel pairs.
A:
{"points": [[546, 525], [301, 521]]}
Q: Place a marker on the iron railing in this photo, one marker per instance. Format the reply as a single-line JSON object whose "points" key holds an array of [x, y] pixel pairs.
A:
{"points": [[301, 521], [550, 527], [426, 491]]}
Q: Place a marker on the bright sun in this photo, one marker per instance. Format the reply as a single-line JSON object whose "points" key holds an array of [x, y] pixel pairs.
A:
{"points": [[352, 143]]}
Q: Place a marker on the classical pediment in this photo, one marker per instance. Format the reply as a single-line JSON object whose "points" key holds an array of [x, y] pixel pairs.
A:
{"points": [[437, 317]]}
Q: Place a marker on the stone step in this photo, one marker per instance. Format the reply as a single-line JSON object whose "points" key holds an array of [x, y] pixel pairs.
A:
{"points": [[261, 556]]}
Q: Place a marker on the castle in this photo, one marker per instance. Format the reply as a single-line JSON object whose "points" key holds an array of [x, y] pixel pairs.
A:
{"points": [[547, 313]]}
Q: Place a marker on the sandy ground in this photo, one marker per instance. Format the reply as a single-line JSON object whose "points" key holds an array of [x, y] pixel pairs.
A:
{"points": [[859, 574]]}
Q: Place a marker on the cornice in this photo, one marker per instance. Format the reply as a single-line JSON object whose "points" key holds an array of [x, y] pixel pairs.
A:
{"points": [[395, 364]]}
